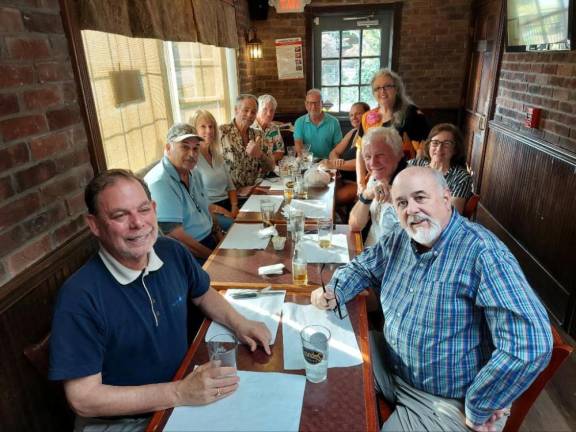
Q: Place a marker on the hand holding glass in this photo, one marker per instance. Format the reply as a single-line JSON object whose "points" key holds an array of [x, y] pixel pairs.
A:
{"points": [[223, 348]]}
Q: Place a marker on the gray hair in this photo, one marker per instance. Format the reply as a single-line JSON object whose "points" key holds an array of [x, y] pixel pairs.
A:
{"points": [[385, 135], [402, 101], [242, 97], [436, 175], [314, 91], [266, 99]]}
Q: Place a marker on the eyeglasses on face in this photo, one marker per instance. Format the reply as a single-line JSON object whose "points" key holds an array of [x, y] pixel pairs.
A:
{"points": [[313, 102], [387, 87], [437, 143], [338, 309]]}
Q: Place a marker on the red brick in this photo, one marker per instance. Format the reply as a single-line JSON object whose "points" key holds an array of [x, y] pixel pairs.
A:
{"points": [[45, 97], [54, 72], [48, 145], [15, 75], [6, 189], [8, 104], [60, 48], [27, 48], [21, 127], [45, 221], [43, 23], [35, 175], [69, 94], [63, 117], [13, 156], [72, 159], [12, 240], [10, 20], [15, 211], [49, 4], [61, 187], [76, 204], [67, 230], [29, 254]]}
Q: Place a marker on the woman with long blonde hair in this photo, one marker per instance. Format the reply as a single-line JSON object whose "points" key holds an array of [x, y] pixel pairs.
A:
{"points": [[215, 176]]}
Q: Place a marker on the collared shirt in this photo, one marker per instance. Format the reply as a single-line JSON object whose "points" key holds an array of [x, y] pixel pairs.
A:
{"points": [[321, 137], [461, 321], [459, 180], [216, 179], [272, 137], [178, 203], [244, 169]]}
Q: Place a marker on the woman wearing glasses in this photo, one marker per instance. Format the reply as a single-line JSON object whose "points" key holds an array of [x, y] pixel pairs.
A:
{"points": [[444, 151], [395, 109]]}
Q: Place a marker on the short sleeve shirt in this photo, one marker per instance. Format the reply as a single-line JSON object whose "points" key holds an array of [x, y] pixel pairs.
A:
{"points": [[459, 180], [272, 137], [320, 138]]}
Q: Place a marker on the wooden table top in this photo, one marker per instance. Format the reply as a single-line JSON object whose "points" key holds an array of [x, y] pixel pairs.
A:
{"points": [[325, 194], [345, 401], [238, 268]]}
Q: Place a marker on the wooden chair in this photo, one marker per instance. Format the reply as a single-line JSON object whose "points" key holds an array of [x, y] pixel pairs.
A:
{"points": [[521, 406], [470, 207]]}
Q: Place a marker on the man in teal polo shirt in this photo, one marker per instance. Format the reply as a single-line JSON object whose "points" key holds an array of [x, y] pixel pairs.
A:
{"points": [[317, 131], [180, 194]]}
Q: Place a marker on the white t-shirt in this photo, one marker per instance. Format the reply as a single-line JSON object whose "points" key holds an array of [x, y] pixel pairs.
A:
{"points": [[383, 217]]}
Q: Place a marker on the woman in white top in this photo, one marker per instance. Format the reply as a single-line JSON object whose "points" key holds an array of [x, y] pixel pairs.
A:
{"points": [[383, 156], [219, 187]]}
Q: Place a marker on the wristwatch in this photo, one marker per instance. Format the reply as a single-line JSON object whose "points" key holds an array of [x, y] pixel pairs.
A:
{"points": [[364, 200]]}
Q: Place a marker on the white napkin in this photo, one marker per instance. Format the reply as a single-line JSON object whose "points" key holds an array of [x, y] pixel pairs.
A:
{"points": [[271, 269], [267, 232], [312, 209]]}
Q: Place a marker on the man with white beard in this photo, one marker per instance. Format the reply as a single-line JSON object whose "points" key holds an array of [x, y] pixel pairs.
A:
{"points": [[464, 334]]}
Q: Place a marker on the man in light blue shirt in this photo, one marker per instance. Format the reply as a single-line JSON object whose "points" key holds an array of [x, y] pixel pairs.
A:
{"points": [[179, 193], [464, 335], [317, 131]]}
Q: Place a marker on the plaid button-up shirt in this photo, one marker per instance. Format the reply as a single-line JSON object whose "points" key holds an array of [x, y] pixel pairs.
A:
{"points": [[461, 321]]}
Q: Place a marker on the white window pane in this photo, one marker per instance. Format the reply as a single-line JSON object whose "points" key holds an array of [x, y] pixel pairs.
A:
{"points": [[331, 97], [351, 43], [350, 71], [348, 96], [330, 44], [369, 67], [366, 95], [330, 72], [371, 42]]}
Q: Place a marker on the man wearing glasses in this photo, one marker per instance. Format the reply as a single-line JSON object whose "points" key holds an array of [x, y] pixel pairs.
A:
{"points": [[464, 334], [317, 131]]}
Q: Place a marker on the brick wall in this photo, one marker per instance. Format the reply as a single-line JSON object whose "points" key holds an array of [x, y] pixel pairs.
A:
{"points": [[432, 61], [543, 80], [44, 160]]}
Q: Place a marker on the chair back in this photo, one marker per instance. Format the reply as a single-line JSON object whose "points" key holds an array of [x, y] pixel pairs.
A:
{"points": [[470, 206], [521, 406]]}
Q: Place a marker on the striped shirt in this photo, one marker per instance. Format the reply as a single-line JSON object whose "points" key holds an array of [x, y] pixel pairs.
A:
{"points": [[461, 320], [458, 179]]}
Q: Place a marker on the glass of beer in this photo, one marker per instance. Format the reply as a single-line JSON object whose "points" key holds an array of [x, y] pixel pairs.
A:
{"points": [[266, 212], [325, 232], [288, 191]]}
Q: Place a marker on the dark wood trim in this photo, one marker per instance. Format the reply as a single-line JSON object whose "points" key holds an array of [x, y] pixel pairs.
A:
{"points": [[534, 142], [310, 11], [27, 281], [84, 88]]}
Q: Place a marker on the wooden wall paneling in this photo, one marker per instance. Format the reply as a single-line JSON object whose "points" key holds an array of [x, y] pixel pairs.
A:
{"points": [[528, 190], [28, 401]]}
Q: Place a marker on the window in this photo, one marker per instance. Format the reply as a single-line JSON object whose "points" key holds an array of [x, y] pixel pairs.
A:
{"points": [[142, 86], [348, 50]]}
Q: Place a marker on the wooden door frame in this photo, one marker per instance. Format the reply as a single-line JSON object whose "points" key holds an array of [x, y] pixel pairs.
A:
{"points": [[493, 78]]}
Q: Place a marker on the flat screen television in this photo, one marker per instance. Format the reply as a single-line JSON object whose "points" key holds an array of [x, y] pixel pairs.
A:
{"points": [[539, 25]]}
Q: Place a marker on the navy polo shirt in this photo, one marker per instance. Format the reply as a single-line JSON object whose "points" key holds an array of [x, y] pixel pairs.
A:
{"points": [[129, 325]]}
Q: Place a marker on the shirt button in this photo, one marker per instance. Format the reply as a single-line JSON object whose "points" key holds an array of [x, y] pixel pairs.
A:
{"points": [[411, 290], [420, 265], [435, 253], [397, 314]]}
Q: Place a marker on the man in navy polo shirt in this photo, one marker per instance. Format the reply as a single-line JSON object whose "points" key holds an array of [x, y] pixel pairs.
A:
{"points": [[119, 331]]}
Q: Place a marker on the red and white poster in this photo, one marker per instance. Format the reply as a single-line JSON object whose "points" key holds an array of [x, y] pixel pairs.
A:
{"points": [[289, 58]]}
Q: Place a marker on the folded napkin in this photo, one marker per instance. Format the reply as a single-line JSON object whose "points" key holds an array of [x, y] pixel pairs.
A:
{"points": [[267, 232], [271, 269]]}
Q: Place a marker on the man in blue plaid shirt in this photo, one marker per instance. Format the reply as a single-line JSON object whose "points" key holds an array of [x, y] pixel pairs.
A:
{"points": [[464, 334]]}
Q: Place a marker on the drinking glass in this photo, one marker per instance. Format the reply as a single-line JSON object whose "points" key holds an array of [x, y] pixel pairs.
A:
{"points": [[266, 212], [223, 347], [315, 347], [325, 232]]}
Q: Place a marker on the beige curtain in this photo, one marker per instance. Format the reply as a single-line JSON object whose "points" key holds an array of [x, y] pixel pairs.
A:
{"points": [[210, 22]]}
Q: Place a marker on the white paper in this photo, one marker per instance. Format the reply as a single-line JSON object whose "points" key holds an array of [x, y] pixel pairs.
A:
{"points": [[244, 236], [265, 308], [337, 253], [313, 209], [289, 58], [343, 351], [264, 401], [275, 184], [252, 204], [271, 269]]}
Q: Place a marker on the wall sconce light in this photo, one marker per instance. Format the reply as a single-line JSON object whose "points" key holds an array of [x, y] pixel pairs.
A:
{"points": [[289, 6], [254, 45]]}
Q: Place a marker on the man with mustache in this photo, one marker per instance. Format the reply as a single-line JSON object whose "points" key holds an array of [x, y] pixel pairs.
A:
{"points": [[464, 334], [178, 190], [119, 331]]}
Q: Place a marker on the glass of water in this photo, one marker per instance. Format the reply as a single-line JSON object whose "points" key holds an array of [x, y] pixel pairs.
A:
{"points": [[222, 347], [315, 348], [325, 232]]}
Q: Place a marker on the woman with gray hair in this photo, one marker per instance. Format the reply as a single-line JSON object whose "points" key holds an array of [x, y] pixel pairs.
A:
{"points": [[395, 109], [383, 156], [272, 137]]}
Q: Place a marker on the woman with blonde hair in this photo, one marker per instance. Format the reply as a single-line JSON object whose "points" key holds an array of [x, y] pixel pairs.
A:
{"points": [[219, 186]]}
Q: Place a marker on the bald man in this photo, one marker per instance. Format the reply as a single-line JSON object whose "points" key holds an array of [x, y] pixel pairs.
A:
{"points": [[464, 334]]}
